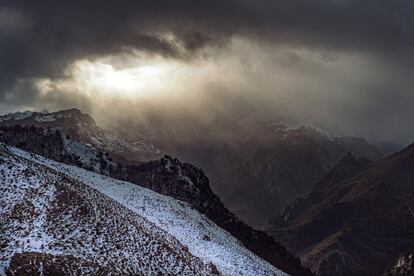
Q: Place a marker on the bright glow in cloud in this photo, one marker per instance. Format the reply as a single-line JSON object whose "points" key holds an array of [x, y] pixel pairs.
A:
{"points": [[103, 78], [138, 78]]}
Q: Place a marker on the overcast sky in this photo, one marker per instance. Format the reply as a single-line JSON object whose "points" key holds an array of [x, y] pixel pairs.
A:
{"points": [[347, 64]]}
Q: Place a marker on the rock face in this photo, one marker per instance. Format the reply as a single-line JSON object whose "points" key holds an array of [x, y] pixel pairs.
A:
{"points": [[357, 220], [404, 266], [185, 182], [167, 176]]}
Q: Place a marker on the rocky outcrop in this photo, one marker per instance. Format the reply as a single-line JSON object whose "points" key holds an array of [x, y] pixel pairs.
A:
{"points": [[186, 182], [403, 266]]}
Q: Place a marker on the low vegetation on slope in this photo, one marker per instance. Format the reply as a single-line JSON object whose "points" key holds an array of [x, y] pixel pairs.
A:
{"points": [[56, 224], [61, 219]]}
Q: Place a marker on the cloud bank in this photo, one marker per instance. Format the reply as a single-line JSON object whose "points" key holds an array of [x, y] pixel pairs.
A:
{"points": [[346, 63]]}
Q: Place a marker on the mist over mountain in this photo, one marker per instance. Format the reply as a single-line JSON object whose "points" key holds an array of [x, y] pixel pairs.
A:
{"points": [[237, 137], [260, 167], [345, 64]]}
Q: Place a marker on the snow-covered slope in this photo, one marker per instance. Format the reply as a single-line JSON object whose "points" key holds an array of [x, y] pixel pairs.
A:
{"points": [[56, 216]]}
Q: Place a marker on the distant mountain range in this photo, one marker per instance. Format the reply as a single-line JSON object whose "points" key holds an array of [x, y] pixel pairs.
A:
{"points": [[357, 220], [258, 168]]}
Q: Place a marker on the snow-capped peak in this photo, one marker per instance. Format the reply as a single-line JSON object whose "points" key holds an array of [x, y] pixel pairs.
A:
{"points": [[291, 125], [17, 115]]}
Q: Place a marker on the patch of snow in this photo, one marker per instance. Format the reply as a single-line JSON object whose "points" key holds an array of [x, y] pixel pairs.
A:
{"points": [[122, 145], [87, 154], [22, 115], [50, 117], [45, 118], [16, 115], [290, 126]]}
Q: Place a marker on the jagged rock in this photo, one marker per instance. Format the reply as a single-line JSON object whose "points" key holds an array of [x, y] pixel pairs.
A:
{"points": [[403, 266]]}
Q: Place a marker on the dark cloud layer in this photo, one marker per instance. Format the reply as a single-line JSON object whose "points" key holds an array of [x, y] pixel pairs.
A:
{"points": [[41, 38], [60, 31]]}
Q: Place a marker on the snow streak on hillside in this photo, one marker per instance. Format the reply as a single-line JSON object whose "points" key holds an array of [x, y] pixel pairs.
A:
{"points": [[54, 225], [89, 223]]}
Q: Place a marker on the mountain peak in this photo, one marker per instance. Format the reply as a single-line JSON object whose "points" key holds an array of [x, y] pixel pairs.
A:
{"points": [[71, 111], [360, 215]]}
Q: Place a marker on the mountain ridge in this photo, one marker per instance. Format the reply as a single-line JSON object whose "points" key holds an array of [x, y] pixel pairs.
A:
{"points": [[357, 220], [260, 168], [68, 199], [191, 186]]}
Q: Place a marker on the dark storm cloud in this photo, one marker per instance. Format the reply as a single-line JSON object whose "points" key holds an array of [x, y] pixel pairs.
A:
{"points": [[41, 38], [57, 32]]}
